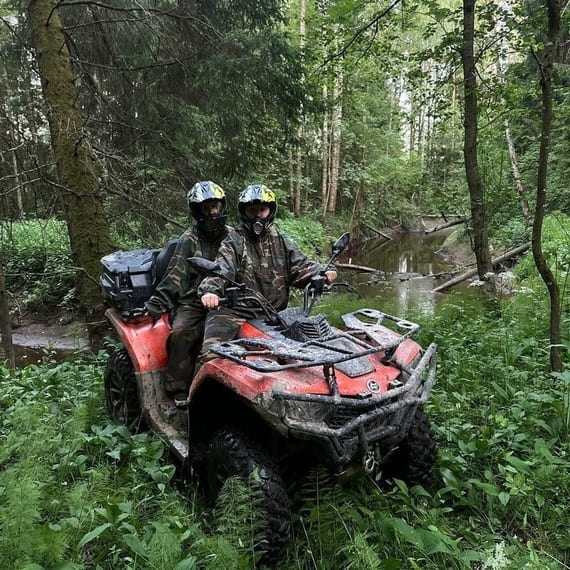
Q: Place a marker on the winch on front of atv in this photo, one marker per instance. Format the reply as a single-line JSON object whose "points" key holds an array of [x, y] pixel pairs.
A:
{"points": [[289, 393]]}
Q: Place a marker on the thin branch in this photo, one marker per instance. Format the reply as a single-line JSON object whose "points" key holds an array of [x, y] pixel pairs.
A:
{"points": [[164, 63], [358, 33], [140, 203], [170, 13]]}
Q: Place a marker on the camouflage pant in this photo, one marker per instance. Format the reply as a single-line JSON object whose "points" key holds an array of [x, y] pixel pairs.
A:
{"points": [[220, 326], [183, 345]]}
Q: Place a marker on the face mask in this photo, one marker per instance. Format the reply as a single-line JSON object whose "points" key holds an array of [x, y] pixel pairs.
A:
{"points": [[257, 226]]}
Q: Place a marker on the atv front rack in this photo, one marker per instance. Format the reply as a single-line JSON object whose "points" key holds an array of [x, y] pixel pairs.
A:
{"points": [[346, 426], [365, 330]]}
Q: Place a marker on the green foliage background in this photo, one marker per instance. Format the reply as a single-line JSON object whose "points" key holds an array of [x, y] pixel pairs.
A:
{"points": [[37, 263]]}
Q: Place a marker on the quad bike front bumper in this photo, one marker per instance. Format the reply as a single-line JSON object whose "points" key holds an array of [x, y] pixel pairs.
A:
{"points": [[347, 428]]}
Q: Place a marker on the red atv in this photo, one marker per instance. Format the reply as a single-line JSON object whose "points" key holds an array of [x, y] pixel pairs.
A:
{"points": [[289, 393]]}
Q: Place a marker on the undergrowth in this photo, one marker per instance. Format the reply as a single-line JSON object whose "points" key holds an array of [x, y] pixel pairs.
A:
{"points": [[37, 263], [79, 492]]}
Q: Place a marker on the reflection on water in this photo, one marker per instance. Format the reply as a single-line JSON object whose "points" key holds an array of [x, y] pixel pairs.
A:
{"points": [[408, 253], [409, 269]]}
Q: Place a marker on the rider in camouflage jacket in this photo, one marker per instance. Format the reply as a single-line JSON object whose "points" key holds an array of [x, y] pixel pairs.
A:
{"points": [[180, 285], [178, 289], [271, 265], [257, 254]]}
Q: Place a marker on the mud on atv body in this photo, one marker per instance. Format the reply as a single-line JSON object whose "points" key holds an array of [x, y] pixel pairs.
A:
{"points": [[290, 391], [346, 392]]}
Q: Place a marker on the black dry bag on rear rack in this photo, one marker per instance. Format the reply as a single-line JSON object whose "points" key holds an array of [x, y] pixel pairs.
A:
{"points": [[128, 278]]}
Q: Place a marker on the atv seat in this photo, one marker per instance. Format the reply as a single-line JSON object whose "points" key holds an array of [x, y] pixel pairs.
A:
{"points": [[162, 260]]}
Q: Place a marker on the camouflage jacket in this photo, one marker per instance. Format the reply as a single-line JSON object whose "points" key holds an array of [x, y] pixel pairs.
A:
{"points": [[270, 265], [180, 283]]}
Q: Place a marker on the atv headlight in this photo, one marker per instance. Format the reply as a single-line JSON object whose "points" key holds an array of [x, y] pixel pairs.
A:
{"points": [[307, 411]]}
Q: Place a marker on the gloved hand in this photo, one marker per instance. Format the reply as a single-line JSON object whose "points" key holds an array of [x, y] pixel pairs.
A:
{"points": [[154, 310]]}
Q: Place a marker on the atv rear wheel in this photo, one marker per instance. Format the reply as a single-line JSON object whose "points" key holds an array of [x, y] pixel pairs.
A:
{"points": [[234, 454], [121, 395], [414, 459]]}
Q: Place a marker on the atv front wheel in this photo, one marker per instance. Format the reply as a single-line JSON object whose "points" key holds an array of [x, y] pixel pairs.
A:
{"points": [[414, 459], [233, 454], [121, 395]]}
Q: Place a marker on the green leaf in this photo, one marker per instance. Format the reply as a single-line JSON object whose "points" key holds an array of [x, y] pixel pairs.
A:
{"points": [[408, 532], [490, 489], [115, 454], [390, 564], [186, 564], [93, 534], [520, 465], [135, 544], [504, 497]]}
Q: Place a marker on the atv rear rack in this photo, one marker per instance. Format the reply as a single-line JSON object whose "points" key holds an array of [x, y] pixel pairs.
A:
{"points": [[273, 355]]}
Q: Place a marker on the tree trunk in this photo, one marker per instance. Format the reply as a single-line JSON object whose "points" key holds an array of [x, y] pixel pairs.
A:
{"points": [[513, 155], [15, 143], [326, 155], [290, 160], [88, 231], [335, 138], [539, 259], [16, 170], [301, 129], [517, 174], [476, 191], [5, 327]]}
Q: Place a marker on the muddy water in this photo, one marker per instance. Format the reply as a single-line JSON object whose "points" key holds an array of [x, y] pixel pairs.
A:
{"points": [[408, 270], [37, 343]]}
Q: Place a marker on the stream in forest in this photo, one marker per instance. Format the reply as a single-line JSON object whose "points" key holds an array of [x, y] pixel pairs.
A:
{"points": [[408, 271]]}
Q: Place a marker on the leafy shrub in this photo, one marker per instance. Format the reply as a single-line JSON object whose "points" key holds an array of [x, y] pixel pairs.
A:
{"points": [[308, 234], [79, 491], [555, 245], [37, 262], [511, 233]]}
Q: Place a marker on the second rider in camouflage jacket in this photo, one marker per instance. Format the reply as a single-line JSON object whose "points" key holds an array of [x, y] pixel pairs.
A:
{"points": [[271, 265], [178, 289]]}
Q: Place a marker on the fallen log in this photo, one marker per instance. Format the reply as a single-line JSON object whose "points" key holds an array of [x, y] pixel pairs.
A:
{"points": [[472, 272], [354, 267], [378, 232], [443, 226]]}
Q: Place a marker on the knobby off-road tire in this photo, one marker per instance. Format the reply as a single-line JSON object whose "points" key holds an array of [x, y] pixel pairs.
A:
{"points": [[121, 395], [414, 459], [232, 452]]}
